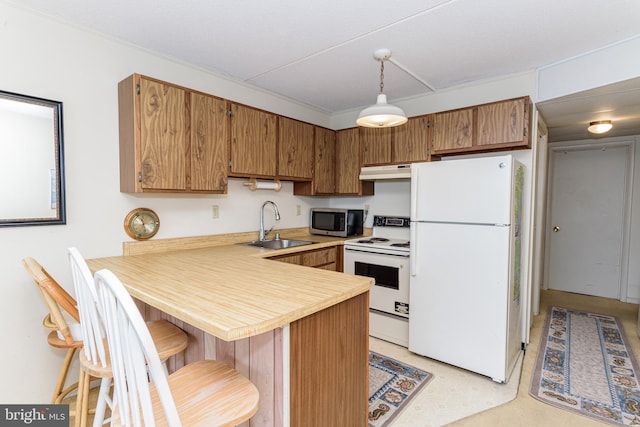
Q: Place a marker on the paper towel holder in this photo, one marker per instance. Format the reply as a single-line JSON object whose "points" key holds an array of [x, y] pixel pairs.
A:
{"points": [[254, 185]]}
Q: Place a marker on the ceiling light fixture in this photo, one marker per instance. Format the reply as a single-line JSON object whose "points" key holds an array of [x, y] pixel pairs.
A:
{"points": [[381, 114], [601, 126]]}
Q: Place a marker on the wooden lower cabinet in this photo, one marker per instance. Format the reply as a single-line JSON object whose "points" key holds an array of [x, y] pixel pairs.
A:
{"points": [[325, 258], [328, 360]]}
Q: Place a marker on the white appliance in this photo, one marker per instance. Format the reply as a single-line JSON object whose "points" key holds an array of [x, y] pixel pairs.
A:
{"points": [[465, 263], [385, 172], [385, 257]]}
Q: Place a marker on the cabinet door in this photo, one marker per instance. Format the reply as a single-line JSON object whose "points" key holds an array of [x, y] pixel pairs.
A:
{"points": [[324, 172], [452, 130], [376, 146], [348, 165], [347, 161], [295, 150], [411, 141], [502, 123], [253, 142], [209, 143], [320, 258], [163, 136]]}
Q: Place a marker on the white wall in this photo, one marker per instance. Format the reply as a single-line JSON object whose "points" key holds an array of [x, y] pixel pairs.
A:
{"points": [[48, 59], [610, 64]]}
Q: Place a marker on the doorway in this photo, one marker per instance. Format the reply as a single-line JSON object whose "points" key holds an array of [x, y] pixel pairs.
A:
{"points": [[587, 220]]}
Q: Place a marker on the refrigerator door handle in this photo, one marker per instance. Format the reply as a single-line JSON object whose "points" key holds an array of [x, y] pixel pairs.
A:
{"points": [[413, 262], [414, 194]]}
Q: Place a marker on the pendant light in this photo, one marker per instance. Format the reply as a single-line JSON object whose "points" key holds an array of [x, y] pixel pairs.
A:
{"points": [[601, 126], [381, 114]]}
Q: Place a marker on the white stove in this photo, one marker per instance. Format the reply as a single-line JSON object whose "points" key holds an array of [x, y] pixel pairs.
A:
{"points": [[384, 256], [390, 234]]}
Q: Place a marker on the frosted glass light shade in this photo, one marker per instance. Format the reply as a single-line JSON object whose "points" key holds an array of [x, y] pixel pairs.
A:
{"points": [[601, 126], [381, 114]]}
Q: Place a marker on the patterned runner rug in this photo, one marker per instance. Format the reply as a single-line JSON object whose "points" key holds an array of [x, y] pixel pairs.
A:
{"points": [[392, 384], [584, 366]]}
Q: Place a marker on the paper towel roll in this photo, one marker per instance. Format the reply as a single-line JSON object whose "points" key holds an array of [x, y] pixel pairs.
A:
{"points": [[254, 185]]}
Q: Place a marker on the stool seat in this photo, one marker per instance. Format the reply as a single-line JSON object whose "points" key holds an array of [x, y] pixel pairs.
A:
{"points": [[55, 341]]}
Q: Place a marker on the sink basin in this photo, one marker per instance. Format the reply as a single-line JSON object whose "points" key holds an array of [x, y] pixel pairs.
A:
{"points": [[279, 243]]}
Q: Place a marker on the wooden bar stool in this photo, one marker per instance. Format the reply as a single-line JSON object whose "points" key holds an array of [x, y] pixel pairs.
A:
{"points": [[205, 393], [58, 302], [95, 358]]}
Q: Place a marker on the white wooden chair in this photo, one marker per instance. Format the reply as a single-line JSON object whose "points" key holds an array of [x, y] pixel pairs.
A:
{"points": [[95, 358], [204, 393]]}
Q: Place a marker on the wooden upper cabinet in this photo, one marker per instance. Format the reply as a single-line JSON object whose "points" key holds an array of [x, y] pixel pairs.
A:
{"points": [[348, 164], [452, 130], [400, 144], [501, 125], [376, 145], [209, 143], [253, 142], [504, 122], [295, 149], [324, 180], [411, 141], [156, 136], [163, 136]]}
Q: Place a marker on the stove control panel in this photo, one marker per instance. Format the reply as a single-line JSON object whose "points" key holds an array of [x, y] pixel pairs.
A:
{"points": [[390, 221]]}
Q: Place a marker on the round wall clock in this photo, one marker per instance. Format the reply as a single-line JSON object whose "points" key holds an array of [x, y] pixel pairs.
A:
{"points": [[141, 223]]}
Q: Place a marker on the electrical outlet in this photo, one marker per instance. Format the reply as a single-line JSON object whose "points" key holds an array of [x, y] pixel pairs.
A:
{"points": [[298, 210], [366, 208], [215, 211]]}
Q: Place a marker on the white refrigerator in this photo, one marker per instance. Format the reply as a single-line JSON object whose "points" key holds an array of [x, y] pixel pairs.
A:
{"points": [[465, 280]]}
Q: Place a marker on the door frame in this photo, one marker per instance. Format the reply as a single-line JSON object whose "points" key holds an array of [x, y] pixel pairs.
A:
{"points": [[629, 144]]}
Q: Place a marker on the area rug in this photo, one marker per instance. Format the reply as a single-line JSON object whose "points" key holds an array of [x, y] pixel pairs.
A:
{"points": [[584, 366], [392, 384]]}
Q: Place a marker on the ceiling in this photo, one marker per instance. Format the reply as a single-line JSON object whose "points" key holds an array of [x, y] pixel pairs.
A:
{"points": [[320, 53]]}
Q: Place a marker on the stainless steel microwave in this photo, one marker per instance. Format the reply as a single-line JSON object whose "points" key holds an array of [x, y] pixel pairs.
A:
{"points": [[336, 222]]}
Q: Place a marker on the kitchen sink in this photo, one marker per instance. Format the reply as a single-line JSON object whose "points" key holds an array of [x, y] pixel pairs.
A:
{"points": [[279, 243]]}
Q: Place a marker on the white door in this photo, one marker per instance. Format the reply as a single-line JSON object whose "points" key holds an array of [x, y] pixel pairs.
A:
{"points": [[459, 297], [473, 190], [587, 220]]}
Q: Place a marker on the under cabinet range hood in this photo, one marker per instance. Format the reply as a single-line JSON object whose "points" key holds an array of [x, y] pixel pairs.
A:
{"points": [[370, 173]]}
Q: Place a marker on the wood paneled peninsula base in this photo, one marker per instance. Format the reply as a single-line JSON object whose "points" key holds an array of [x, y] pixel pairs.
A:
{"points": [[300, 334]]}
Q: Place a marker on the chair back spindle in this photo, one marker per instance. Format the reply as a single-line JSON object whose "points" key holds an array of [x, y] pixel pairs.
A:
{"points": [[93, 333], [134, 357]]}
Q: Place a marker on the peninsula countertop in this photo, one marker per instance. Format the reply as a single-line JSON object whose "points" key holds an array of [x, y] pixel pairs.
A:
{"points": [[232, 291]]}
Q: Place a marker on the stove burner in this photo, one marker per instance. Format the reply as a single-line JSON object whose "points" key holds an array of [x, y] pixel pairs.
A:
{"points": [[400, 245], [373, 240]]}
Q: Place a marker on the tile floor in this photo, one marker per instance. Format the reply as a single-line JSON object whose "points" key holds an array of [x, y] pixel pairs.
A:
{"points": [[466, 399], [452, 394]]}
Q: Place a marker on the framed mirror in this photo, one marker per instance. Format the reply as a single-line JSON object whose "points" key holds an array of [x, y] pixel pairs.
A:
{"points": [[31, 161]]}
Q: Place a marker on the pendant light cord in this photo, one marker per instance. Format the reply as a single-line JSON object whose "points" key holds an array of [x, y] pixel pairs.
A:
{"points": [[382, 76]]}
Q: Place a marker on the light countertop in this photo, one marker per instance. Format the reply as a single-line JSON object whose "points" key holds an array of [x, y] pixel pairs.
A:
{"points": [[231, 291]]}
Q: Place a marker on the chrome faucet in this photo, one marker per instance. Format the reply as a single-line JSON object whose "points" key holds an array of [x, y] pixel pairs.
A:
{"points": [[263, 233]]}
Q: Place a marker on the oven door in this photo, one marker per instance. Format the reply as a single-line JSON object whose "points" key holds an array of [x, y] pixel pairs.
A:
{"points": [[390, 294]]}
